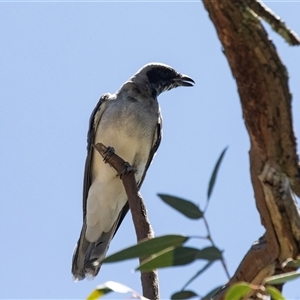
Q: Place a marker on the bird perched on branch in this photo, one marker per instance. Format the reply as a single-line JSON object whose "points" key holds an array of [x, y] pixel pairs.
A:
{"points": [[130, 122]]}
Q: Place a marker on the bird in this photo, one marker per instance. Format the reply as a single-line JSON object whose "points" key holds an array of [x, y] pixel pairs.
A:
{"points": [[130, 122]]}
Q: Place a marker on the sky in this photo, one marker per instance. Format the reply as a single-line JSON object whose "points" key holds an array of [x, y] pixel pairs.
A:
{"points": [[56, 60]]}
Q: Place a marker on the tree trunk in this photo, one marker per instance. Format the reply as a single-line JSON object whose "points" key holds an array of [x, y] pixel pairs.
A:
{"points": [[262, 82]]}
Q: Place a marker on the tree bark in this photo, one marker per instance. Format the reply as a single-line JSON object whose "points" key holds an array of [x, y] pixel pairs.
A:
{"points": [[262, 82]]}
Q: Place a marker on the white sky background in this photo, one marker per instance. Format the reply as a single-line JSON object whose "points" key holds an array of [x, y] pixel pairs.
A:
{"points": [[56, 60]]}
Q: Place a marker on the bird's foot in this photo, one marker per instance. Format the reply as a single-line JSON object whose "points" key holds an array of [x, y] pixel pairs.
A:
{"points": [[127, 168], [108, 152]]}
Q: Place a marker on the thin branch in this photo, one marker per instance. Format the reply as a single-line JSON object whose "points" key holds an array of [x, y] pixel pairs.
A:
{"points": [[209, 237], [275, 22], [140, 219]]}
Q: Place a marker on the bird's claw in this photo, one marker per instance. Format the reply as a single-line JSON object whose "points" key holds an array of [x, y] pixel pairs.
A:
{"points": [[108, 152], [127, 168]]}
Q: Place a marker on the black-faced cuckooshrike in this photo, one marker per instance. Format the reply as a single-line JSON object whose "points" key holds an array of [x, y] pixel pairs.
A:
{"points": [[131, 123]]}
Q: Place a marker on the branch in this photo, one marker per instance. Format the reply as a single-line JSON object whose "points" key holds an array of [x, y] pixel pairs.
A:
{"points": [[262, 82], [139, 216], [276, 23]]}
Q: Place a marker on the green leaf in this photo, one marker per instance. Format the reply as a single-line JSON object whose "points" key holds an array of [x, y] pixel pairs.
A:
{"points": [[209, 253], [214, 174], [188, 208], [184, 295], [98, 293], [170, 257], [148, 247], [212, 293], [198, 273], [237, 291], [179, 256], [112, 286], [274, 293], [282, 278]]}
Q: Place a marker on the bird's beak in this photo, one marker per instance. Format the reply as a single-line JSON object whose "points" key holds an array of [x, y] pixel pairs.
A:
{"points": [[184, 80]]}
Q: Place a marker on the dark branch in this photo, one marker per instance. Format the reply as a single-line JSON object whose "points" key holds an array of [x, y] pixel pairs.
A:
{"points": [[139, 215]]}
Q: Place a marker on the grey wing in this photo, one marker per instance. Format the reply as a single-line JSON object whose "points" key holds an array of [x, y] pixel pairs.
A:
{"points": [[83, 249], [93, 124], [155, 145]]}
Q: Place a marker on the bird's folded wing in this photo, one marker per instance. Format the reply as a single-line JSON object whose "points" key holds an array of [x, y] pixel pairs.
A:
{"points": [[93, 124]]}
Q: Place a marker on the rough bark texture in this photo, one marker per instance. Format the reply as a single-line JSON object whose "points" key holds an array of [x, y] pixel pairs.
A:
{"points": [[140, 219], [262, 82]]}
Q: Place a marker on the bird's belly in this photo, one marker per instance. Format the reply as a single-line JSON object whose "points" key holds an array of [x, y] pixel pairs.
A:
{"points": [[107, 195]]}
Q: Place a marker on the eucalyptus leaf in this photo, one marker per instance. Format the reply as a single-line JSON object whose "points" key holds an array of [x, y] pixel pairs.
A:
{"points": [[210, 253], [147, 248], [237, 291], [112, 286], [282, 278], [187, 208], [184, 295], [170, 257], [274, 293], [214, 174]]}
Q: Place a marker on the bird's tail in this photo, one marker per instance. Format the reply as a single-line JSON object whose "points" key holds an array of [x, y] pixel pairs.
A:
{"points": [[87, 256]]}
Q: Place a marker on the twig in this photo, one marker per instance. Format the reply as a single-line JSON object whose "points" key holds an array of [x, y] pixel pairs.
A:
{"points": [[275, 22], [212, 242], [139, 216]]}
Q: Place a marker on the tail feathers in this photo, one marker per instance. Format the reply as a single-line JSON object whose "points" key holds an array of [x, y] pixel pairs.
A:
{"points": [[87, 256]]}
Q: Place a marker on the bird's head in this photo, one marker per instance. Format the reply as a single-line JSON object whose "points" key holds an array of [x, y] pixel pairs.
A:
{"points": [[160, 78]]}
